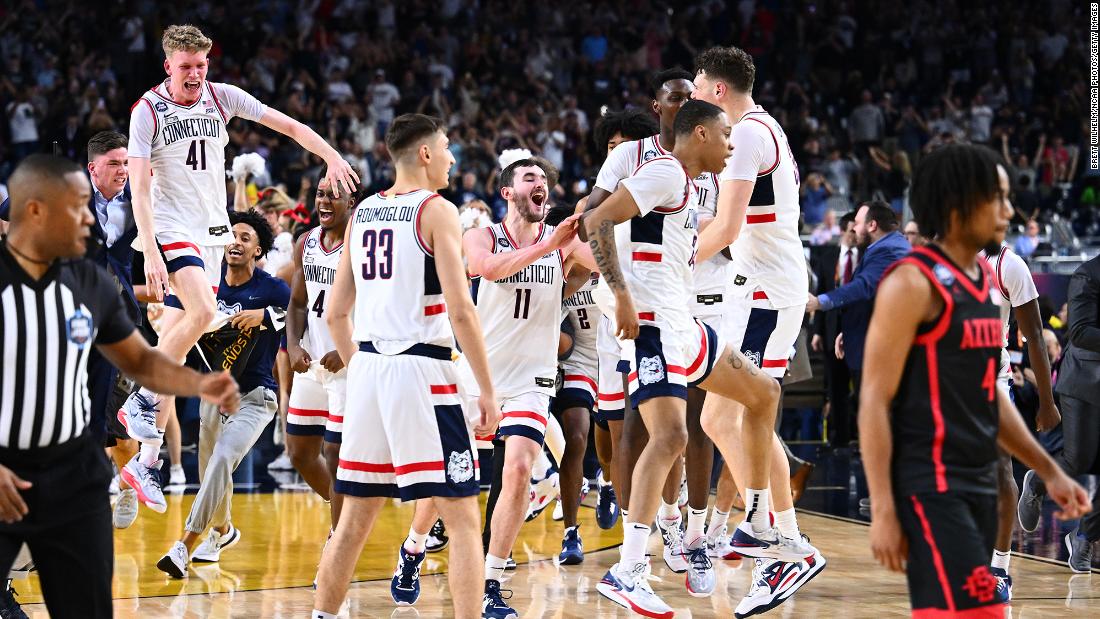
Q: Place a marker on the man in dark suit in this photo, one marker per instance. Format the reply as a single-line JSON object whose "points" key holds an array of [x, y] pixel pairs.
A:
{"points": [[1077, 380], [880, 245], [835, 265]]}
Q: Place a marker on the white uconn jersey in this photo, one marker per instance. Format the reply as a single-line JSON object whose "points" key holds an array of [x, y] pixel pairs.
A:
{"points": [[768, 253], [186, 148], [584, 315], [319, 271], [711, 276], [626, 158], [520, 316], [398, 299]]}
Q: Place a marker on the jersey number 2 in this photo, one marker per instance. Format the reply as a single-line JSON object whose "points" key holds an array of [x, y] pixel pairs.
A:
{"points": [[196, 155], [378, 247]]}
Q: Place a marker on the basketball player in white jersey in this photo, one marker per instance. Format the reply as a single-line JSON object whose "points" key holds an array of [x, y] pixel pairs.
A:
{"points": [[643, 238], [1014, 291], [522, 264], [405, 431], [315, 415], [671, 88], [758, 208], [178, 134]]}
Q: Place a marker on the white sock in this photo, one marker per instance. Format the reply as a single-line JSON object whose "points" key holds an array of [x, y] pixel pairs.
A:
{"points": [[415, 542], [320, 614], [756, 509], [786, 523], [540, 466], [669, 511], [718, 520], [1001, 559], [697, 519], [494, 567], [150, 452], [555, 439], [635, 538], [622, 512]]}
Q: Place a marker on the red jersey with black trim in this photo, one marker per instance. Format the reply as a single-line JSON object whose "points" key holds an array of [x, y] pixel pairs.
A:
{"points": [[944, 417]]}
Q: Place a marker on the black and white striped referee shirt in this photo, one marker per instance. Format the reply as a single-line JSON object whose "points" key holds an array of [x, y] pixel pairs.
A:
{"points": [[47, 329]]}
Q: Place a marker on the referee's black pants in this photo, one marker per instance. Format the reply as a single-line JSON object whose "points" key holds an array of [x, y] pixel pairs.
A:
{"points": [[1080, 453], [67, 528]]}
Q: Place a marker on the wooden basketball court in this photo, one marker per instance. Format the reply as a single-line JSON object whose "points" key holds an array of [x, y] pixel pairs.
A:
{"points": [[269, 573]]}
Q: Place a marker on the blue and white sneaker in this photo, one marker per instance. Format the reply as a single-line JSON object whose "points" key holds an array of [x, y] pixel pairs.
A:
{"points": [[146, 482], [630, 589], [700, 579], [405, 585], [139, 416], [773, 582], [607, 504], [493, 605], [672, 536], [543, 492], [1004, 583], [769, 544], [572, 551]]}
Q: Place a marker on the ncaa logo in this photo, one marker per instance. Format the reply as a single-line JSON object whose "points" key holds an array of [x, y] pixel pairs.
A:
{"points": [[649, 154], [944, 274], [503, 242], [79, 329], [161, 106], [460, 467], [311, 242]]}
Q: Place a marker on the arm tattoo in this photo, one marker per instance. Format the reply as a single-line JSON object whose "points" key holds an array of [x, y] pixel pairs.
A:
{"points": [[604, 251]]}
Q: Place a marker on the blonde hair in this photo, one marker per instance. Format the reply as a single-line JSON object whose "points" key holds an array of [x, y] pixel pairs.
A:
{"points": [[185, 38]]}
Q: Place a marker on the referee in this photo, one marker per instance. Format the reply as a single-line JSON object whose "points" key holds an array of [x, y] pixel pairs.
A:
{"points": [[54, 305]]}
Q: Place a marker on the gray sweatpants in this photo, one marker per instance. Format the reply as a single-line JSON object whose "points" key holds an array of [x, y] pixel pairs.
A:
{"points": [[224, 440]]}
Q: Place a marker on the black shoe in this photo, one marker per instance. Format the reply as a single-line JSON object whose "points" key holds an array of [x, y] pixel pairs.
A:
{"points": [[437, 538], [9, 608], [1030, 507]]}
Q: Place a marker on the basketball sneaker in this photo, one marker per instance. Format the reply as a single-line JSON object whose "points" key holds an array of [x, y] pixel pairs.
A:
{"points": [[700, 579], [405, 585], [543, 492], [673, 538], [146, 482], [629, 588], [559, 511], [773, 582], [176, 476], [139, 416], [126, 509], [510, 564], [174, 562], [1030, 507], [1004, 583], [769, 544], [282, 463], [437, 537], [493, 605], [1080, 552], [210, 550], [9, 608], [719, 547], [572, 551], [607, 504]]}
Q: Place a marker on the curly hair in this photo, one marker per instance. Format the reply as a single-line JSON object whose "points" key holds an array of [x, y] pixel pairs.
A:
{"points": [[631, 124], [184, 38], [256, 220]]}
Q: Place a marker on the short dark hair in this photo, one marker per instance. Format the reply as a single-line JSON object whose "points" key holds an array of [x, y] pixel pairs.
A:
{"points": [[692, 114], [631, 124], [731, 65], [360, 189], [558, 213], [408, 130], [258, 222], [847, 218], [508, 174], [881, 213], [952, 179], [36, 177], [657, 82], [104, 142]]}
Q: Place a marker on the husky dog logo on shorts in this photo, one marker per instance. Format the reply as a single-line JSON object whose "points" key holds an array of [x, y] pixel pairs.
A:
{"points": [[650, 370], [460, 466], [754, 356], [944, 274]]}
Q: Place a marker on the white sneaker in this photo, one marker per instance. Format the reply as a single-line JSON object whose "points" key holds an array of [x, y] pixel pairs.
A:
{"points": [[673, 538], [146, 482], [769, 544], [210, 550], [630, 589], [126, 509], [720, 548], [113, 489], [139, 416], [542, 493], [176, 476], [174, 562], [559, 511], [282, 463], [700, 579], [773, 582]]}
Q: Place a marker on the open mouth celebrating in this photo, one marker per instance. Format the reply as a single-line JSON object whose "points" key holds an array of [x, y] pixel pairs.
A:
{"points": [[234, 252]]}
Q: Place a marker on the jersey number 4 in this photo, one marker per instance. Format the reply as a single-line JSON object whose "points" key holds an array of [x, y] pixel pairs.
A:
{"points": [[378, 247], [196, 155], [319, 305]]}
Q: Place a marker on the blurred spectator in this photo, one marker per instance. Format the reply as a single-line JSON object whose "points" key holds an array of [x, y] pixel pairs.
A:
{"points": [[23, 125], [826, 230], [866, 124], [895, 173], [383, 96], [913, 235], [1026, 244], [815, 198], [474, 214], [840, 171]]}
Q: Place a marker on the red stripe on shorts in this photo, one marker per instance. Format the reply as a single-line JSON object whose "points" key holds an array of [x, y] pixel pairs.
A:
{"points": [[582, 378], [646, 316], [182, 245], [366, 467], [444, 389], [525, 415], [760, 219], [432, 310], [306, 412], [774, 363], [646, 256], [759, 295]]}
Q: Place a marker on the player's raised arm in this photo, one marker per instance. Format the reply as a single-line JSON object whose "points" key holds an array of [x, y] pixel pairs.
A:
{"points": [[341, 176]]}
